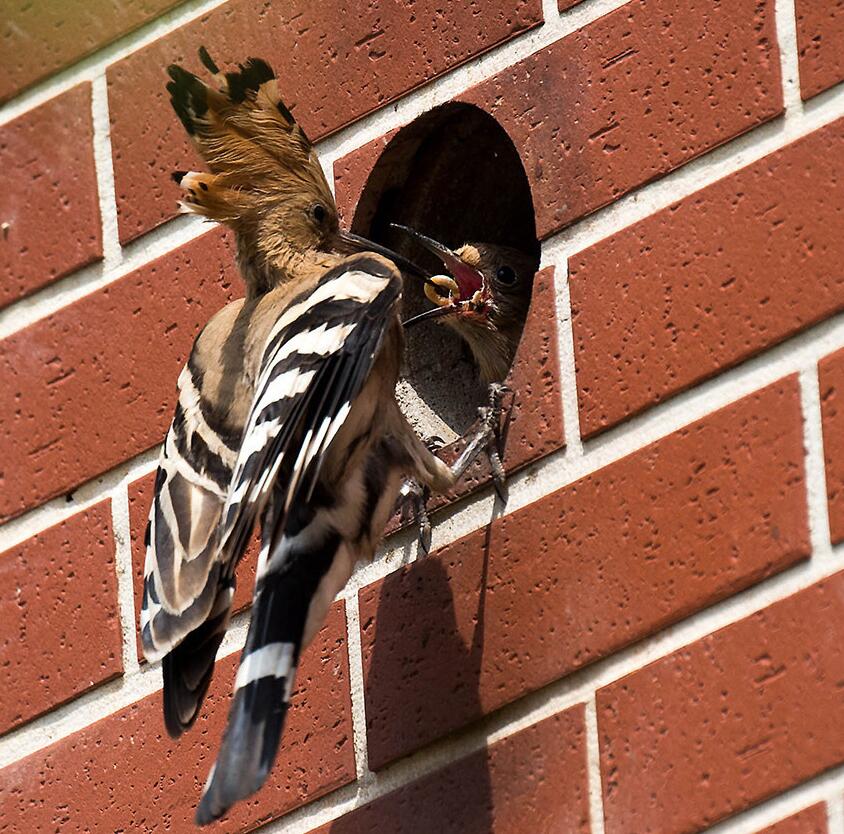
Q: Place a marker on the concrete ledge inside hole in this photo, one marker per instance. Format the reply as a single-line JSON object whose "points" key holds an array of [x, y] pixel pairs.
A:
{"points": [[455, 175]]}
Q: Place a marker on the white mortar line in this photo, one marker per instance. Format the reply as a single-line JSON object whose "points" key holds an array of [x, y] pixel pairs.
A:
{"points": [[696, 174], [815, 467], [458, 80], [559, 695], [575, 689], [593, 769], [835, 807], [60, 508], [125, 576], [93, 65], [639, 203], [112, 253], [786, 26], [565, 336], [83, 282], [822, 788], [356, 685], [557, 470], [475, 512]]}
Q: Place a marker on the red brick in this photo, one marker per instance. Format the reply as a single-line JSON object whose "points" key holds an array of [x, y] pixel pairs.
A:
{"points": [[532, 781], [41, 37], [809, 821], [820, 40], [563, 5], [94, 383], [735, 718], [709, 281], [632, 96], [831, 378], [140, 500], [58, 605], [352, 173], [49, 196], [584, 571], [124, 773], [336, 63]]}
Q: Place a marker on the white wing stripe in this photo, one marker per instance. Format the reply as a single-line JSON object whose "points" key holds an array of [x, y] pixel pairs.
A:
{"points": [[321, 341], [189, 399], [273, 660], [354, 286]]}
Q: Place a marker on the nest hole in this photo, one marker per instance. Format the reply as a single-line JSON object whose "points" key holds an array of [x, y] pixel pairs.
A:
{"points": [[453, 174]]}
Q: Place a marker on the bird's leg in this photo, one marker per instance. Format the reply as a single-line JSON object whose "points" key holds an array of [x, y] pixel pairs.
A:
{"points": [[487, 437], [413, 500]]}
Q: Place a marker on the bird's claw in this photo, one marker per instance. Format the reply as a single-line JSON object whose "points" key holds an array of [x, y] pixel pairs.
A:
{"points": [[490, 415], [487, 438], [413, 499]]}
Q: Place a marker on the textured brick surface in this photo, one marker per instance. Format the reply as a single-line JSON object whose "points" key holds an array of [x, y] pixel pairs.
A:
{"points": [[584, 571], [820, 40], [140, 499], [38, 38], [58, 606], [709, 281], [49, 196], [632, 96], [352, 171], [810, 821], [125, 774], [726, 722], [336, 63], [532, 781], [95, 382], [831, 380]]}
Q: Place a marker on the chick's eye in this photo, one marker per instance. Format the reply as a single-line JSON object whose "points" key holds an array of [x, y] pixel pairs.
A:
{"points": [[319, 212], [506, 276]]}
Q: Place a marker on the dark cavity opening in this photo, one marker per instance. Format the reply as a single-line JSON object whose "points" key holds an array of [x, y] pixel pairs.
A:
{"points": [[455, 175]]}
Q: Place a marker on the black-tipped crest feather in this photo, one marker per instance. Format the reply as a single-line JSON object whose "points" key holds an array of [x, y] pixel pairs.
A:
{"points": [[208, 61]]}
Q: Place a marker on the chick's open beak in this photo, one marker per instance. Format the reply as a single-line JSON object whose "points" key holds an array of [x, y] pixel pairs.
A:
{"points": [[463, 282]]}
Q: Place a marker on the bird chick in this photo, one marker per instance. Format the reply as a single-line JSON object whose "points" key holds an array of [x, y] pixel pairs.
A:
{"points": [[484, 298]]}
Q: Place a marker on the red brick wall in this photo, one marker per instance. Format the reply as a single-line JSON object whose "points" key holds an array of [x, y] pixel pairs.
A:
{"points": [[647, 638]]}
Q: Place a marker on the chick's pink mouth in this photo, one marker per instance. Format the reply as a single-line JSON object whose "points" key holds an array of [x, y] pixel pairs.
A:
{"points": [[468, 280]]}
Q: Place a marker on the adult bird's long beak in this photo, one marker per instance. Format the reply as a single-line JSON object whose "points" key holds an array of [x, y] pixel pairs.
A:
{"points": [[356, 243], [468, 279], [433, 313]]}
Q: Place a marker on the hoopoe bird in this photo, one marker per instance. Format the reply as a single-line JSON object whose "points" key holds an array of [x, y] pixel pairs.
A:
{"points": [[286, 419], [484, 298]]}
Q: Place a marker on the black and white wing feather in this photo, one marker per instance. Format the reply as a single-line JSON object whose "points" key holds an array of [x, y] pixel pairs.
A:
{"points": [[187, 592], [317, 359]]}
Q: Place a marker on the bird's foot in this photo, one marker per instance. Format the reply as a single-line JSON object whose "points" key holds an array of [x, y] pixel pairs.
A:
{"points": [[413, 499], [487, 438]]}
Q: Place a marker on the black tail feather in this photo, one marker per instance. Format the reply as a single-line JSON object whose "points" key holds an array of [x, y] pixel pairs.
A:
{"points": [[188, 668], [256, 718]]}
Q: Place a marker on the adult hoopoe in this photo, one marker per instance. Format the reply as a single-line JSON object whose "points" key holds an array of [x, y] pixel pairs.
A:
{"points": [[286, 418]]}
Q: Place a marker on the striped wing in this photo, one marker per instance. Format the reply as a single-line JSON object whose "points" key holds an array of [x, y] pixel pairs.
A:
{"points": [[318, 357], [182, 574]]}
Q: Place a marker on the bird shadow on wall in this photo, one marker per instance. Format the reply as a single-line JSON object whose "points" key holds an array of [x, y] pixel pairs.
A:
{"points": [[423, 644]]}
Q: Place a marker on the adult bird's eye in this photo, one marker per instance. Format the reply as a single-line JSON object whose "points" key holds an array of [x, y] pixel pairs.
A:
{"points": [[319, 212], [506, 276]]}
